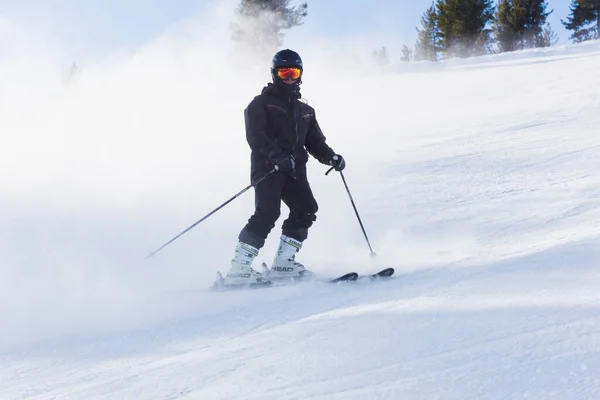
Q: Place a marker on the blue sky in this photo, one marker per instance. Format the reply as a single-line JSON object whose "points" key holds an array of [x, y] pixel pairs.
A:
{"points": [[92, 28]]}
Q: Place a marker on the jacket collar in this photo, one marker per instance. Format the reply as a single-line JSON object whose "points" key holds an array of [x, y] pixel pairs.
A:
{"points": [[283, 91]]}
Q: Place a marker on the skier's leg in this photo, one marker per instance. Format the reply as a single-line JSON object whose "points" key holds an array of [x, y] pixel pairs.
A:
{"points": [[298, 196], [267, 209], [267, 195]]}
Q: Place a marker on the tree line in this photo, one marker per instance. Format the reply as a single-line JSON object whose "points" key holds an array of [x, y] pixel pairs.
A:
{"points": [[462, 28], [448, 28]]}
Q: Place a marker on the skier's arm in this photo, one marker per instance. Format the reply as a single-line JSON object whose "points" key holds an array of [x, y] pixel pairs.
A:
{"points": [[255, 117], [316, 144]]}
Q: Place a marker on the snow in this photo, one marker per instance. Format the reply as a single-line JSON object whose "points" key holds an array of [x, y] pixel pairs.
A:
{"points": [[476, 179]]}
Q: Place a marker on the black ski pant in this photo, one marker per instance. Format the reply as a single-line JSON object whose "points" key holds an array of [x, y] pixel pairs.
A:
{"points": [[297, 196]]}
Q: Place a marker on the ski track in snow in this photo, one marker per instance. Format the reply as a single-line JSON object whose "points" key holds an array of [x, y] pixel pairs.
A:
{"points": [[491, 217]]}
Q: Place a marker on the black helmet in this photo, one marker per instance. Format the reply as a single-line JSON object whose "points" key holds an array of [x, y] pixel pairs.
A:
{"points": [[285, 58]]}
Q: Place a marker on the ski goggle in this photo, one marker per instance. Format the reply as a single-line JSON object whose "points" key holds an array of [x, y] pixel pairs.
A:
{"points": [[289, 73]]}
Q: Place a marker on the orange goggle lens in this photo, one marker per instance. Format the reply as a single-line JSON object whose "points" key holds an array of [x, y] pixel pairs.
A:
{"points": [[289, 73]]}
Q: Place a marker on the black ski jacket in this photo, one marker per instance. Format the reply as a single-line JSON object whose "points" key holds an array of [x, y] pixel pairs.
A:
{"points": [[277, 121]]}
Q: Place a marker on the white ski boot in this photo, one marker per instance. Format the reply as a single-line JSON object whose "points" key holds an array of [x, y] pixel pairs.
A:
{"points": [[285, 264], [241, 273]]}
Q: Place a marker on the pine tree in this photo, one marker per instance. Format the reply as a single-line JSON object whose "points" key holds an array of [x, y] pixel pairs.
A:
{"points": [[584, 20], [519, 24], [463, 26], [381, 56], [407, 54], [261, 22], [548, 37], [428, 40], [535, 19], [73, 74], [508, 26]]}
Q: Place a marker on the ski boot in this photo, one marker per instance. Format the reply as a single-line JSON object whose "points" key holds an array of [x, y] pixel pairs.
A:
{"points": [[285, 265], [241, 274]]}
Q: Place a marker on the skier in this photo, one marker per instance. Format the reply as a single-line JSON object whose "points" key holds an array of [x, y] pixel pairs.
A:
{"points": [[281, 130]]}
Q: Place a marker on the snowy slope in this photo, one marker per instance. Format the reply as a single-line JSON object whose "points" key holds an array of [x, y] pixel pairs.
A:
{"points": [[485, 198]]}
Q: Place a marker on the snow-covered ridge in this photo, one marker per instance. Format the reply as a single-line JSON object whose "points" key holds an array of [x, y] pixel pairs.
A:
{"points": [[479, 185]]}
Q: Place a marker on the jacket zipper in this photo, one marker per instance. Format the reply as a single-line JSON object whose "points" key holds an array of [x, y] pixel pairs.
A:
{"points": [[295, 120]]}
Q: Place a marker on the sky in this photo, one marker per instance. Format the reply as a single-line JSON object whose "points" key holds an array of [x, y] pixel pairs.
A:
{"points": [[91, 29]]}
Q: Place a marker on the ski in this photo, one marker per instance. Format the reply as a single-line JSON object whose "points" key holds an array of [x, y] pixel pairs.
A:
{"points": [[384, 273], [349, 277], [220, 286]]}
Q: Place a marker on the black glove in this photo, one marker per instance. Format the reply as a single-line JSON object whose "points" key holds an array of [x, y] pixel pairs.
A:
{"points": [[337, 162], [283, 163]]}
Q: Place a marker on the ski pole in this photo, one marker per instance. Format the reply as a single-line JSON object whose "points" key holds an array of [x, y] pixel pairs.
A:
{"points": [[373, 254], [211, 213]]}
